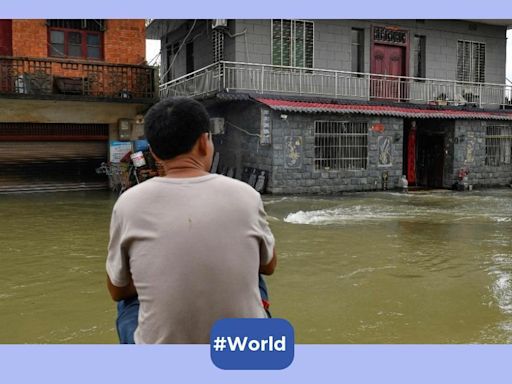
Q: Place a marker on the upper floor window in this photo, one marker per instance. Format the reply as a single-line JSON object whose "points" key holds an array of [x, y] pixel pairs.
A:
{"points": [[81, 39], [419, 56], [292, 43], [470, 61], [357, 50]]}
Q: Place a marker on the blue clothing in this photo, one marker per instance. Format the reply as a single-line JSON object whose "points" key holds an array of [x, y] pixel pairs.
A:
{"points": [[128, 315]]}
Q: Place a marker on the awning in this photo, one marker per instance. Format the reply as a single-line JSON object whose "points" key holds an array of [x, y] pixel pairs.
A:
{"points": [[383, 110]]}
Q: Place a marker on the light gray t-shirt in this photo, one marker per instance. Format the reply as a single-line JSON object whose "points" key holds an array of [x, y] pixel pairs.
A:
{"points": [[193, 247]]}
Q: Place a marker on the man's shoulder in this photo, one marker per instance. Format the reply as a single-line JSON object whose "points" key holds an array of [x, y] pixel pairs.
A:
{"points": [[236, 185], [135, 193]]}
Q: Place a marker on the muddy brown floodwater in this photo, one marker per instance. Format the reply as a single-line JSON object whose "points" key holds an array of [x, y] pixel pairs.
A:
{"points": [[423, 267]]}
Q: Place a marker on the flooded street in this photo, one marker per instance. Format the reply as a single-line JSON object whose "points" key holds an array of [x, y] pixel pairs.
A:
{"points": [[423, 267]]}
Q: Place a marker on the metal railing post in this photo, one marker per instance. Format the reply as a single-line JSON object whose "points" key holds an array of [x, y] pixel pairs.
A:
{"points": [[223, 74], [300, 81], [369, 79], [262, 74], [335, 84], [480, 95]]}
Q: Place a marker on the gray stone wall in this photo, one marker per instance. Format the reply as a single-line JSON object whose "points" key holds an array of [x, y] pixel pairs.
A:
{"points": [[239, 146], [302, 177], [470, 154]]}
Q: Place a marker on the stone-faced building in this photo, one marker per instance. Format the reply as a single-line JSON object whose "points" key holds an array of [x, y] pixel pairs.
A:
{"points": [[325, 106], [66, 86]]}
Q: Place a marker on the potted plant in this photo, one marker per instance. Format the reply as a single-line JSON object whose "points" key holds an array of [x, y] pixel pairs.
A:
{"points": [[442, 99]]}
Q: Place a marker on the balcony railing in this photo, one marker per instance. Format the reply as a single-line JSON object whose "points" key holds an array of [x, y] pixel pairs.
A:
{"points": [[50, 77], [269, 79]]}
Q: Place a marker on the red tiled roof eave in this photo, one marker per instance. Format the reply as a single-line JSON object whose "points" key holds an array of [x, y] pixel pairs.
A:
{"points": [[383, 110]]}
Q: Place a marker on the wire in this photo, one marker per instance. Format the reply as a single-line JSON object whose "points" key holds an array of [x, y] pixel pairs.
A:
{"points": [[241, 129], [244, 33], [179, 50]]}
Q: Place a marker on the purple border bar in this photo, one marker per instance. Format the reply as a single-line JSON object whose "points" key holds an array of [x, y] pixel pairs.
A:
{"points": [[452, 9], [352, 364]]}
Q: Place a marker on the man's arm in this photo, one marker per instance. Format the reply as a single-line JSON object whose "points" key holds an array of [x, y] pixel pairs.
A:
{"points": [[270, 267], [121, 293]]}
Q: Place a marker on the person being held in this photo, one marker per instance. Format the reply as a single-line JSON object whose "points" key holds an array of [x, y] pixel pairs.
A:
{"points": [[188, 246]]}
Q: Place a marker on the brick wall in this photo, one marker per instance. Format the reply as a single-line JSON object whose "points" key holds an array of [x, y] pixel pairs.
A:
{"points": [[29, 38], [124, 40]]}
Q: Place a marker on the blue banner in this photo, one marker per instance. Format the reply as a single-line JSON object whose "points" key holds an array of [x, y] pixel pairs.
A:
{"points": [[252, 344]]}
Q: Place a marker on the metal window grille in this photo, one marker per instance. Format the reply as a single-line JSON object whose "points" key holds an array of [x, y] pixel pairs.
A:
{"points": [[218, 45], [498, 145], [292, 43], [341, 145], [470, 61], [51, 131], [85, 24]]}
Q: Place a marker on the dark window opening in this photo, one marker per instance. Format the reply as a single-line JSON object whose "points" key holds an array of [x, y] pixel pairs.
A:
{"points": [[419, 56], [190, 57], [357, 50]]}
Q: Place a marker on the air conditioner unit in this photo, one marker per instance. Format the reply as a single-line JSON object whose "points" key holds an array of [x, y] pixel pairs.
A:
{"points": [[217, 125], [219, 23]]}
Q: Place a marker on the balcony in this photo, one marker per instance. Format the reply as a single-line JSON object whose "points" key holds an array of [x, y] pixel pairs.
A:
{"points": [[73, 79], [271, 79]]}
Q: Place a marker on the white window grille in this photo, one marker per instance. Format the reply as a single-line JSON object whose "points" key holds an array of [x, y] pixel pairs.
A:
{"points": [[341, 145], [292, 43], [470, 61], [498, 145], [218, 45]]}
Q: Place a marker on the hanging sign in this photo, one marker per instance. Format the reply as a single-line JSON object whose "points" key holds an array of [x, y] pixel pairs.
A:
{"points": [[389, 35]]}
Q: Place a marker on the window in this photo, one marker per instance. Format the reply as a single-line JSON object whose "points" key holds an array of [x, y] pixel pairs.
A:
{"points": [[419, 56], [189, 54], [172, 50], [498, 145], [81, 39], [470, 61], [292, 43], [357, 50], [341, 145]]}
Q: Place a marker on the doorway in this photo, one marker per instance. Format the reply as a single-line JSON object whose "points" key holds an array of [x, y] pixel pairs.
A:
{"points": [[427, 152], [387, 61]]}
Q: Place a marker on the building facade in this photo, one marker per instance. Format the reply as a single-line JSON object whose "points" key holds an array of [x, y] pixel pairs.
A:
{"points": [[67, 88], [323, 106]]}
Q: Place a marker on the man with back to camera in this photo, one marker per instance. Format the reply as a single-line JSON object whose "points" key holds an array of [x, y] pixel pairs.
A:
{"points": [[190, 244]]}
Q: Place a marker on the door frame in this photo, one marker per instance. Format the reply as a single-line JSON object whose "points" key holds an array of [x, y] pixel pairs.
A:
{"points": [[378, 38]]}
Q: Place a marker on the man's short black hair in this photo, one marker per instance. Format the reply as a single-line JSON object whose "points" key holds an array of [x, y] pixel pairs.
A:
{"points": [[172, 126]]}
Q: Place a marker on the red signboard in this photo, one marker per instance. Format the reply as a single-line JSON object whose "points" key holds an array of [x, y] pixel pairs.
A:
{"points": [[378, 127]]}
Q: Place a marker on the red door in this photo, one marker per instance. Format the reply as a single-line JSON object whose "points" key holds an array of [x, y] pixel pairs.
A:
{"points": [[5, 37], [389, 61]]}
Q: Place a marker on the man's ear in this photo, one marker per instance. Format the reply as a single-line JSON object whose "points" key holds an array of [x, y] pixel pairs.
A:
{"points": [[157, 159], [202, 144]]}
